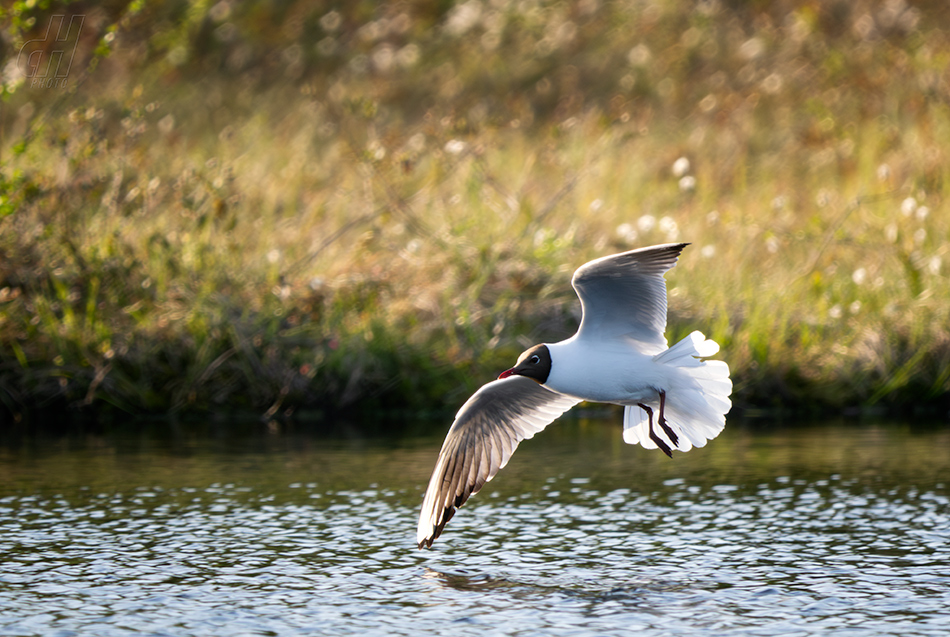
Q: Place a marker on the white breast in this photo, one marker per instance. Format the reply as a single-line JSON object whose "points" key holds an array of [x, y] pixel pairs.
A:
{"points": [[603, 372]]}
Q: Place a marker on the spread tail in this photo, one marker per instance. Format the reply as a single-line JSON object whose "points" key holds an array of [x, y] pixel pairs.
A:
{"points": [[697, 398]]}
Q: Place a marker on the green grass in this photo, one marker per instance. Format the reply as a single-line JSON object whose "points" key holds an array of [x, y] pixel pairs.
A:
{"points": [[265, 208]]}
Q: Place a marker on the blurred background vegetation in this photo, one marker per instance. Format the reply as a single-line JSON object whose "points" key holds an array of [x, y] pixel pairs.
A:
{"points": [[298, 207]]}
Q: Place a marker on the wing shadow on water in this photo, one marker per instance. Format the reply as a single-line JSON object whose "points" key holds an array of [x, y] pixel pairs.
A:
{"points": [[471, 581], [585, 589]]}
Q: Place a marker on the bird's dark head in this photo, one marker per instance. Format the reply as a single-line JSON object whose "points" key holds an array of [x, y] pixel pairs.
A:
{"points": [[535, 363]]}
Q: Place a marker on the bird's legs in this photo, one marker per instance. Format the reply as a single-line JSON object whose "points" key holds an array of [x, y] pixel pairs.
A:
{"points": [[665, 448], [661, 420]]}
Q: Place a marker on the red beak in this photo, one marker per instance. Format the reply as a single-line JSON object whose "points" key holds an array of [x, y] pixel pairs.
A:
{"points": [[506, 373]]}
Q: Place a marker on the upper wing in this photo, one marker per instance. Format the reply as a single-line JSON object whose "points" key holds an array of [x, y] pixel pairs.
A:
{"points": [[625, 295], [486, 431]]}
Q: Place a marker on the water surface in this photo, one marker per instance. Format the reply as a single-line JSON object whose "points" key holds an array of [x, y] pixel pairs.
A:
{"points": [[832, 529]]}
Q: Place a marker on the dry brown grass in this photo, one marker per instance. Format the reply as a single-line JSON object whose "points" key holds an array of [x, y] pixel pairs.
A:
{"points": [[347, 230]]}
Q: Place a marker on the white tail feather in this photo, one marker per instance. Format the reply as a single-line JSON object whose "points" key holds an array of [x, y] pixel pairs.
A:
{"points": [[697, 398]]}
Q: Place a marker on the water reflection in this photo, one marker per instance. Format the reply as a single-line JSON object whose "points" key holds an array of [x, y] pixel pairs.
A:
{"points": [[820, 530]]}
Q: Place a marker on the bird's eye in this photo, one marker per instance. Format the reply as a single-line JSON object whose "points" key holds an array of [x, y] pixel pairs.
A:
{"points": [[534, 360]]}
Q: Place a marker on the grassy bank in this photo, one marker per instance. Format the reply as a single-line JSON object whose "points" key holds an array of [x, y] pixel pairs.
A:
{"points": [[274, 206]]}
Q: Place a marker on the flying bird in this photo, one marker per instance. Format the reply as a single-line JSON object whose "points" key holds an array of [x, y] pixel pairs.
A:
{"points": [[673, 398]]}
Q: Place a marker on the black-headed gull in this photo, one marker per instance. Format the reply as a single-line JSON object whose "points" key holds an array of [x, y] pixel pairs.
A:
{"points": [[672, 397]]}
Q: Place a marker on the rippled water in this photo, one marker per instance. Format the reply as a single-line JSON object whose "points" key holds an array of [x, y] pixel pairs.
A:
{"points": [[825, 530]]}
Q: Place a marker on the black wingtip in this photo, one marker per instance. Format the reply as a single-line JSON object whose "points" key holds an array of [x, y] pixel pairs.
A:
{"points": [[447, 515], [678, 247]]}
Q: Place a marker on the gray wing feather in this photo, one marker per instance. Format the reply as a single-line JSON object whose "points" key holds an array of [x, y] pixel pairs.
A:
{"points": [[486, 431], [624, 295]]}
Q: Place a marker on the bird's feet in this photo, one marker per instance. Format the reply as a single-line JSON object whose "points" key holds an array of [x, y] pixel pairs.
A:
{"points": [[665, 448], [661, 420]]}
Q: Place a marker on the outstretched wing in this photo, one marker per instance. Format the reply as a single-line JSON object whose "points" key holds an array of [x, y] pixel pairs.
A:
{"points": [[624, 295], [486, 431]]}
